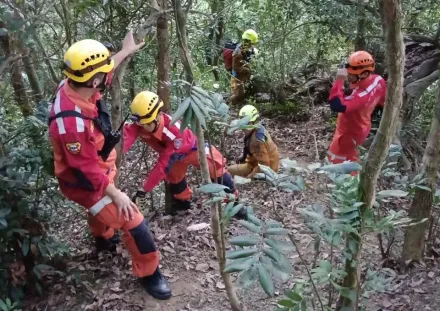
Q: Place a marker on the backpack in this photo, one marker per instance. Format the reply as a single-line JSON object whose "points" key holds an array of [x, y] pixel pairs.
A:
{"points": [[228, 50]]}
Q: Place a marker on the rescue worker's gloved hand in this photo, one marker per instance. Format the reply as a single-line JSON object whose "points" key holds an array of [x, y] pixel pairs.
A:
{"points": [[341, 74]]}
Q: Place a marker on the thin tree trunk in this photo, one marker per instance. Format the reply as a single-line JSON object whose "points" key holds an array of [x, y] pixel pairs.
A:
{"points": [[163, 57], [360, 43], [52, 72], [392, 18], [216, 36], [16, 78], [163, 79], [30, 71], [185, 57], [414, 245]]}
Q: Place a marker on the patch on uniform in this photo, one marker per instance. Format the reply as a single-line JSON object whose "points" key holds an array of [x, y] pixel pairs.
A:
{"points": [[178, 143], [350, 97], [73, 147], [92, 126]]}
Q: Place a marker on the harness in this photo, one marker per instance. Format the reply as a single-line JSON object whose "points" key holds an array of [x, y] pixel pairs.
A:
{"points": [[103, 122]]}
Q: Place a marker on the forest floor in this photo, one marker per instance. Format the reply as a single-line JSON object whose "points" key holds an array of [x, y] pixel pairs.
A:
{"points": [[105, 282]]}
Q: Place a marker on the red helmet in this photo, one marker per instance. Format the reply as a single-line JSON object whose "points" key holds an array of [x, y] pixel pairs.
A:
{"points": [[358, 62]]}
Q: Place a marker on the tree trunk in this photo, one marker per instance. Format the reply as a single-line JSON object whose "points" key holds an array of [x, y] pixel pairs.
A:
{"points": [[53, 74], [216, 226], [30, 71], [163, 79], [163, 57], [392, 18], [360, 43], [216, 36], [414, 245], [184, 54], [20, 95]]}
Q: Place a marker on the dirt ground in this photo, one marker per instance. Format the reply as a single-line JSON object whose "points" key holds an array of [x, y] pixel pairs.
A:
{"points": [[105, 282]]}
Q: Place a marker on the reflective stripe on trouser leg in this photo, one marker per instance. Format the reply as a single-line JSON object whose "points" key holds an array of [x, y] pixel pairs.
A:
{"points": [[333, 156]]}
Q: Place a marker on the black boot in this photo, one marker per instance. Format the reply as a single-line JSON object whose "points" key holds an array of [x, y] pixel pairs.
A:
{"points": [[242, 213], [109, 245], [157, 286], [179, 205]]}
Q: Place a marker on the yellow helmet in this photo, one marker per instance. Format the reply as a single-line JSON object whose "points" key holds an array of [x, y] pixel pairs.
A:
{"points": [[249, 110], [145, 107], [85, 58], [250, 35]]}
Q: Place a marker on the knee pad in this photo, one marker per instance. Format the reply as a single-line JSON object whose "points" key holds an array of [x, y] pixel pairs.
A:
{"points": [[179, 187], [143, 238]]}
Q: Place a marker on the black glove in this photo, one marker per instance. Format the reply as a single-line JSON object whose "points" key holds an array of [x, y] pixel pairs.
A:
{"points": [[240, 159]]}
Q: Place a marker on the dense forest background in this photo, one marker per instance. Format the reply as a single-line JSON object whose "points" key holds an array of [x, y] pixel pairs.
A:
{"points": [[365, 243]]}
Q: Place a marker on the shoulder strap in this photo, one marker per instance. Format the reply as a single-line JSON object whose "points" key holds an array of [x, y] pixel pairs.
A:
{"points": [[68, 113]]}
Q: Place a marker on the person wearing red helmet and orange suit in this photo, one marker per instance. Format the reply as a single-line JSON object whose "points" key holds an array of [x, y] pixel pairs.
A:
{"points": [[354, 111]]}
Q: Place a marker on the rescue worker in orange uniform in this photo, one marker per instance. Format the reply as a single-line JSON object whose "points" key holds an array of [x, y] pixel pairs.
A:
{"points": [[241, 73], [83, 142], [177, 150], [259, 148], [354, 111]]}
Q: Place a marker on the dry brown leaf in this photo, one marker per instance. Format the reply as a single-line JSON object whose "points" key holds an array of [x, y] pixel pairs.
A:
{"points": [[202, 267], [220, 285]]}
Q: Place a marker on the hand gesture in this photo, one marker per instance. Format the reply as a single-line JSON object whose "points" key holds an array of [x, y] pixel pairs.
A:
{"points": [[125, 206], [130, 45], [341, 74]]}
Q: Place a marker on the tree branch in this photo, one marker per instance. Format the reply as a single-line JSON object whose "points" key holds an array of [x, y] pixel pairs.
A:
{"points": [[370, 9]]}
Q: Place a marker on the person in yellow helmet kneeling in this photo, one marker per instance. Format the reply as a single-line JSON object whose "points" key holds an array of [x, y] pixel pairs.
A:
{"points": [[259, 148], [241, 72]]}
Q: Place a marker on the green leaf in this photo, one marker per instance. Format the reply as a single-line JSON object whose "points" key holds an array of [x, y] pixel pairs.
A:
{"points": [[3, 223], [201, 91], [266, 281], [200, 116], [280, 245], [281, 272], [3, 306], [212, 188], [267, 171], [287, 185], [273, 223], [187, 118], [214, 200], [342, 168], [25, 247], [294, 296], [241, 253], [249, 226], [300, 182], [423, 187], [227, 210], [244, 240], [256, 221], [275, 255], [287, 163], [240, 265], [277, 231], [248, 277], [392, 193], [286, 303], [181, 110], [238, 180], [235, 209], [4, 212], [203, 102]]}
